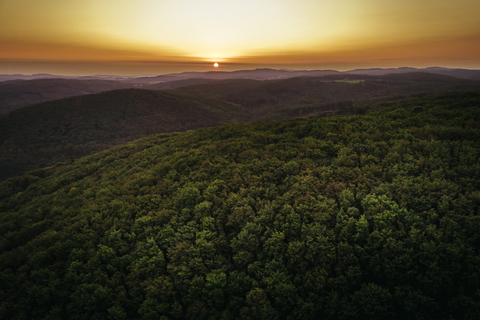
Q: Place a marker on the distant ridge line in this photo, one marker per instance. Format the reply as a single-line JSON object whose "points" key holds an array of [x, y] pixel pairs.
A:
{"points": [[257, 74]]}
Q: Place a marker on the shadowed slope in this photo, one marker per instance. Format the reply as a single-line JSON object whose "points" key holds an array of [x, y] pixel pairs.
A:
{"points": [[43, 134], [282, 99], [20, 93]]}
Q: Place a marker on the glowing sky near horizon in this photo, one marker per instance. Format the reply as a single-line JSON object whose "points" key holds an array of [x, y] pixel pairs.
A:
{"points": [[190, 33]]}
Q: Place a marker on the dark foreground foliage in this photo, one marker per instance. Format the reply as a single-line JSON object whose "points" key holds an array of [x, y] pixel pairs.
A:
{"points": [[360, 217]]}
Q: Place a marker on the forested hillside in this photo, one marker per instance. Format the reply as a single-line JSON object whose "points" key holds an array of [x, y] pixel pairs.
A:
{"points": [[20, 93], [302, 96], [334, 217], [44, 134]]}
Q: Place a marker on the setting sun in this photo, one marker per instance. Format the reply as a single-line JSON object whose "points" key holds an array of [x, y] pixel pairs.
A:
{"points": [[151, 36], [215, 65]]}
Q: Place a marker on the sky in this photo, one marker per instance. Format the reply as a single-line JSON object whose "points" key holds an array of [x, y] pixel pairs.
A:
{"points": [[130, 37]]}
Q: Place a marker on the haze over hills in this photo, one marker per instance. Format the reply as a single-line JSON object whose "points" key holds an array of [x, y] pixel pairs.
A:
{"points": [[270, 74], [258, 74], [282, 99], [37, 76], [19, 93], [15, 94]]}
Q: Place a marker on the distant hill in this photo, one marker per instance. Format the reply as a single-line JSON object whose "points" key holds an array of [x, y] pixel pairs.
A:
{"points": [[457, 73], [44, 134], [62, 130], [165, 85], [273, 74], [282, 99], [37, 76], [19, 93], [353, 218], [258, 74]]}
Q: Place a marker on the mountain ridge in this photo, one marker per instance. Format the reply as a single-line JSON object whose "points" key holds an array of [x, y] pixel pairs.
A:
{"points": [[19, 93], [259, 73]]}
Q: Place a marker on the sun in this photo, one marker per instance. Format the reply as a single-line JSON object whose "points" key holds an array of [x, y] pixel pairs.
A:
{"points": [[215, 65]]}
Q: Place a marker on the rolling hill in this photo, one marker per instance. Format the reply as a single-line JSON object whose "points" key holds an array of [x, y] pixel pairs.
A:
{"points": [[287, 98], [19, 93], [61, 130], [357, 217], [271, 74]]}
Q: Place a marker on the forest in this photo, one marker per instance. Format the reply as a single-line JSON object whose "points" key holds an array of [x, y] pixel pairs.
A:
{"points": [[339, 215], [47, 133], [16, 94], [44, 134]]}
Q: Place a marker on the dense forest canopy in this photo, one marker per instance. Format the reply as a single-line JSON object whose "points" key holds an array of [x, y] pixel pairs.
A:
{"points": [[334, 217]]}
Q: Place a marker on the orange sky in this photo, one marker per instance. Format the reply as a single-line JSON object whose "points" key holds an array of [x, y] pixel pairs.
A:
{"points": [[161, 36]]}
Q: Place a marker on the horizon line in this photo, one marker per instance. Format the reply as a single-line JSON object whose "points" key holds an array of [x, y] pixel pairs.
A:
{"points": [[238, 70]]}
